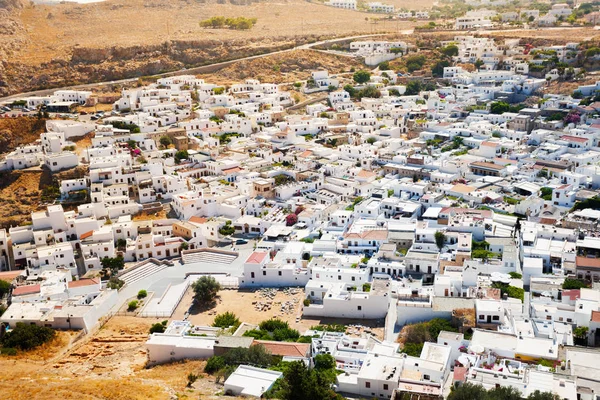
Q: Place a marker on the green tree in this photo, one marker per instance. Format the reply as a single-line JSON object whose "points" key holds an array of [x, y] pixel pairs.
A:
{"points": [[350, 89], [499, 107], [570, 283], [226, 320], [4, 288], [142, 294], [27, 337], [384, 66], [132, 305], [537, 395], [440, 239], [438, 68], [371, 140], [581, 332], [468, 391], [165, 141], [206, 289], [450, 50], [227, 229], [504, 393], [324, 361], [121, 243], [181, 155], [361, 77]]}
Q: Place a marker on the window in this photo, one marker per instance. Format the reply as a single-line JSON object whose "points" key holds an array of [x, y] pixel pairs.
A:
{"points": [[264, 273], [385, 386], [252, 274], [482, 317], [279, 273], [359, 308], [496, 318], [368, 385], [426, 377]]}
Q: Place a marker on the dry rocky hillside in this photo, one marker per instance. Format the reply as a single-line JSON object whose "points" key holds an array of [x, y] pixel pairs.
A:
{"points": [[45, 46], [283, 68]]}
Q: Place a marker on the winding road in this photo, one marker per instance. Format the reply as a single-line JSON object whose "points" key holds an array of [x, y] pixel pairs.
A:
{"points": [[196, 70]]}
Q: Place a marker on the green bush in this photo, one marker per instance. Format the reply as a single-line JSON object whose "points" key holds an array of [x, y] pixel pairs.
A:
{"points": [[273, 324], [8, 351], [214, 364], [26, 337], [158, 327], [329, 328], [573, 284], [361, 77], [226, 320], [413, 349], [546, 193], [132, 305], [510, 291], [142, 294]]}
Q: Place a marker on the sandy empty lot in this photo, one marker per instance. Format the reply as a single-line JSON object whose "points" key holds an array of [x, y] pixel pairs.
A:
{"points": [[246, 304]]}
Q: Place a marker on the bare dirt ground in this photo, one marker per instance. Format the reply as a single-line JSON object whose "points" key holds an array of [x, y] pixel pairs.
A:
{"points": [[246, 304], [54, 30], [110, 364]]}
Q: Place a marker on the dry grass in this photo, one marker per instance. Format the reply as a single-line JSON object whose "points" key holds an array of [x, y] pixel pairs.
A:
{"points": [[54, 30], [107, 365], [20, 194], [19, 131], [283, 68]]}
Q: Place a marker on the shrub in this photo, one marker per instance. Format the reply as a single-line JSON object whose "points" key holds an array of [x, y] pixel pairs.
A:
{"points": [[132, 305], [4, 288], [361, 77], [227, 229], [142, 294], [329, 328], [8, 351], [158, 327], [226, 320], [273, 324], [515, 275], [324, 361], [286, 335], [306, 302], [214, 364], [26, 337], [573, 284]]}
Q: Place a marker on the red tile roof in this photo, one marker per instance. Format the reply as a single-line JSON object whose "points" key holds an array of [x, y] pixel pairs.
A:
{"points": [[28, 289], [285, 348], [587, 262], [460, 373], [198, 220], [231, 170], [256, 258], [572, 294], [84, 282], [595, 316], [86, 235], [574, 138]]}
